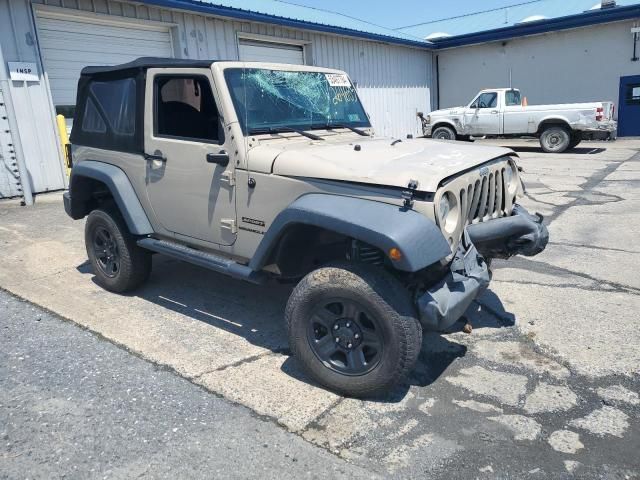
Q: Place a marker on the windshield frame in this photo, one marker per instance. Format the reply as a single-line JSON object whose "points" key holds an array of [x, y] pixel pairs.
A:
{"points": [[291, 126]]}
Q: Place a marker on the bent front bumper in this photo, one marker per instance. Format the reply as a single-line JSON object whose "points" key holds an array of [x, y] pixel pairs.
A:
{"points": [[468, 277]]}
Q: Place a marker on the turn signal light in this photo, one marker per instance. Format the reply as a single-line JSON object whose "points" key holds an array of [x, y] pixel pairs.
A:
{"points": [[395, 254]]}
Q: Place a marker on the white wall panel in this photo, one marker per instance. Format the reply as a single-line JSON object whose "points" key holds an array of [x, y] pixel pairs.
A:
{"points": [[579, 65], [9, 177], [31, 100]]}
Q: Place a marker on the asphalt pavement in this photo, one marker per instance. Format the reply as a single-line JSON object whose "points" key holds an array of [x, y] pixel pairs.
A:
{"points": [[73, 405]]}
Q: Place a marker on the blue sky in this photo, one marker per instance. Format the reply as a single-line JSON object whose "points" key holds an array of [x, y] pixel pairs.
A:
{"points": [[405, 12]]}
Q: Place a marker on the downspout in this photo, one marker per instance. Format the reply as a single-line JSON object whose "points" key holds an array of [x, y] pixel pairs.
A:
{"points": [[5, 83], [437, 82]]}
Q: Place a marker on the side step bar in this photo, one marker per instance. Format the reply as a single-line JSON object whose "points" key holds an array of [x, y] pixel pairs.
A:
{"points": [[203, 259]]}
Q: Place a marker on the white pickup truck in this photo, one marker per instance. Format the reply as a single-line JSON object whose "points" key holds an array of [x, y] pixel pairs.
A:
{"points": [[501, 112]]}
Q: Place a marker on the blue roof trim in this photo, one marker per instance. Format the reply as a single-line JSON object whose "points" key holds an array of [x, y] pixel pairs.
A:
{"points": [[542, 26], [207, 8]]}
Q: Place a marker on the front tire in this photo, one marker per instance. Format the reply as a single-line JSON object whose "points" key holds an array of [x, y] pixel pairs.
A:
{"points": [[555, 139], [444, 133], [353, 328], [118, 263]]}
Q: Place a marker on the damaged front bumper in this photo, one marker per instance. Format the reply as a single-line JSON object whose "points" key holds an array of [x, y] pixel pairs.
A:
{"points": [[468, 277]]}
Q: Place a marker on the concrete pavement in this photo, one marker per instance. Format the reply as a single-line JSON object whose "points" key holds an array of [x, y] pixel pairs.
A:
{"points": [[546, 386]]}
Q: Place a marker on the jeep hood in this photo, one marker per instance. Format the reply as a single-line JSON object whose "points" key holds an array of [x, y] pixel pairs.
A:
{"points": [[376, 161]]}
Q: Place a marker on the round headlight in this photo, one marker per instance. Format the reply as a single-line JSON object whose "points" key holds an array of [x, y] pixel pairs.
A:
{"points": [[448, 212], [511, 178], [508, 175]]}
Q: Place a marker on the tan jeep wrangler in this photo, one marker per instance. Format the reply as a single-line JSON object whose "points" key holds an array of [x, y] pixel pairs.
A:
{"points": [[264, 171]]}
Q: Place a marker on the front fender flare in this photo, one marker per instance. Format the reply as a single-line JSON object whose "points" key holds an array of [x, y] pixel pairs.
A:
{"points": [[120, 187], [379, 224]]}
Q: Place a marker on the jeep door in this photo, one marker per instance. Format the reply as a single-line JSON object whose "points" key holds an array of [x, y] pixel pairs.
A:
{"points": [[482, 116], [188, 175]]}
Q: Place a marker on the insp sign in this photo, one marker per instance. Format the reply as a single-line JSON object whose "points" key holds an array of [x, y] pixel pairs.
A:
{"points": [[23, 72]]}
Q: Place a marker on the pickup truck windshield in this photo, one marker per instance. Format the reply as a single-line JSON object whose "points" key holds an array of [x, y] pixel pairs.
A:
{"points": [[271, 100]]}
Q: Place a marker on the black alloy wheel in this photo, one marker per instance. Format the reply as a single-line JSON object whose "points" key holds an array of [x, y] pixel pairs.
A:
{"points": [[345, 337], [105, 248]]}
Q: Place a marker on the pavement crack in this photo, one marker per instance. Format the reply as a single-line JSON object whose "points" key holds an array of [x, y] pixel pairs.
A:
{"points": [[242, 361], [547, 268], [587, 187], [593, 247]]}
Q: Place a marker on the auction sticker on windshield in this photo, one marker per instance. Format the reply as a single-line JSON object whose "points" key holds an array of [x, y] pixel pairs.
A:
{"points": [[337, 80]]}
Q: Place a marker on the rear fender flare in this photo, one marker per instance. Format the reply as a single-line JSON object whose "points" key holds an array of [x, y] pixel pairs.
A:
{"points": [[119, 186], [379, 224]]}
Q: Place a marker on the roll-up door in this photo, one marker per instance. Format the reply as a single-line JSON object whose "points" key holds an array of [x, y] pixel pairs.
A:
{"points": [[69, 43], [256, 51]]}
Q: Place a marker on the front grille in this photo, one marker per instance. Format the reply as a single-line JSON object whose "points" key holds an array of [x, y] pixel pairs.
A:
{"points": [[484, 198]]}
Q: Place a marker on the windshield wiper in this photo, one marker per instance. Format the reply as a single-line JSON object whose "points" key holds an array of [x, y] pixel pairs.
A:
{"points": [[283, 130], [331, 126]]}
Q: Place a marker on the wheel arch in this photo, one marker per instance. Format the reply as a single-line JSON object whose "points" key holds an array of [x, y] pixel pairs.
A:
{"points": [[553, 122], [91, 178], [381, 225], [445, 123]]}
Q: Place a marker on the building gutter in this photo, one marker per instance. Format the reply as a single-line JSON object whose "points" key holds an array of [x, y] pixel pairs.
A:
{"points": [[596, 17], [239, 14]]}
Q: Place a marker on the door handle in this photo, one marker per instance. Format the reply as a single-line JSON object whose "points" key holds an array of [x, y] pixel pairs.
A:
{"points": [[221, 158], [156, 158], [495, 112]]}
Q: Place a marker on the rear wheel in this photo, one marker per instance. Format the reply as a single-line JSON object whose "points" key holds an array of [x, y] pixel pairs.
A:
{"points": [[118, 263], [444, 133], [575, 141], [555, 139], [354, 329]]}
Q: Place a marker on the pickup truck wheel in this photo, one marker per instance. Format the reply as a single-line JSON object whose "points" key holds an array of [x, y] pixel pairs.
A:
{"points": [[353, 328], [575, 141], [444, 133], [118, 263], [555, 139]]}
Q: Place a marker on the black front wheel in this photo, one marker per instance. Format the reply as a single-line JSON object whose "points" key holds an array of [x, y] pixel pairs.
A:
{"points": [[118, 263], [354, 329]]}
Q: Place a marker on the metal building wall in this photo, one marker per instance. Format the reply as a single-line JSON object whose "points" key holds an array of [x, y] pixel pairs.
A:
{"points": [[394, 81], [31, 101], [579, 65]]}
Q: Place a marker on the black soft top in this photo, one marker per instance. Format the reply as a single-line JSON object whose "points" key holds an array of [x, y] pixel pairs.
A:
{"points": [[144, 63]]}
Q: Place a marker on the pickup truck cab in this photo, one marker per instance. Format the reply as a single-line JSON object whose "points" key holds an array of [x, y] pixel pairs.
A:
{"points": [[272, 172], [501, 112]]}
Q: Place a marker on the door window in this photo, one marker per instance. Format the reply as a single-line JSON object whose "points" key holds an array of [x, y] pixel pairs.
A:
{"points": [[512, 98], [633, 94], [185, 109], [486, 100]]}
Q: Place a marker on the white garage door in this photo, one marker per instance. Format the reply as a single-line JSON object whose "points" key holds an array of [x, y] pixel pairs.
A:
{"points": [[69, 43], [253, 51]]}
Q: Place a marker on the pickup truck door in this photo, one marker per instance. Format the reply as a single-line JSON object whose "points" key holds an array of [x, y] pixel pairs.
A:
{"points": [[189, 179], [482, 116]]}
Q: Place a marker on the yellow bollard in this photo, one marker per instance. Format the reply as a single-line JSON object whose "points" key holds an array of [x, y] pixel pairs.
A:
{"points": [[64, 141]]}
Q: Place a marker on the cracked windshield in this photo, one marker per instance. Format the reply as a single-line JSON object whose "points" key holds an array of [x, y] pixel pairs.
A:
{"points": [[271, 101]]}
